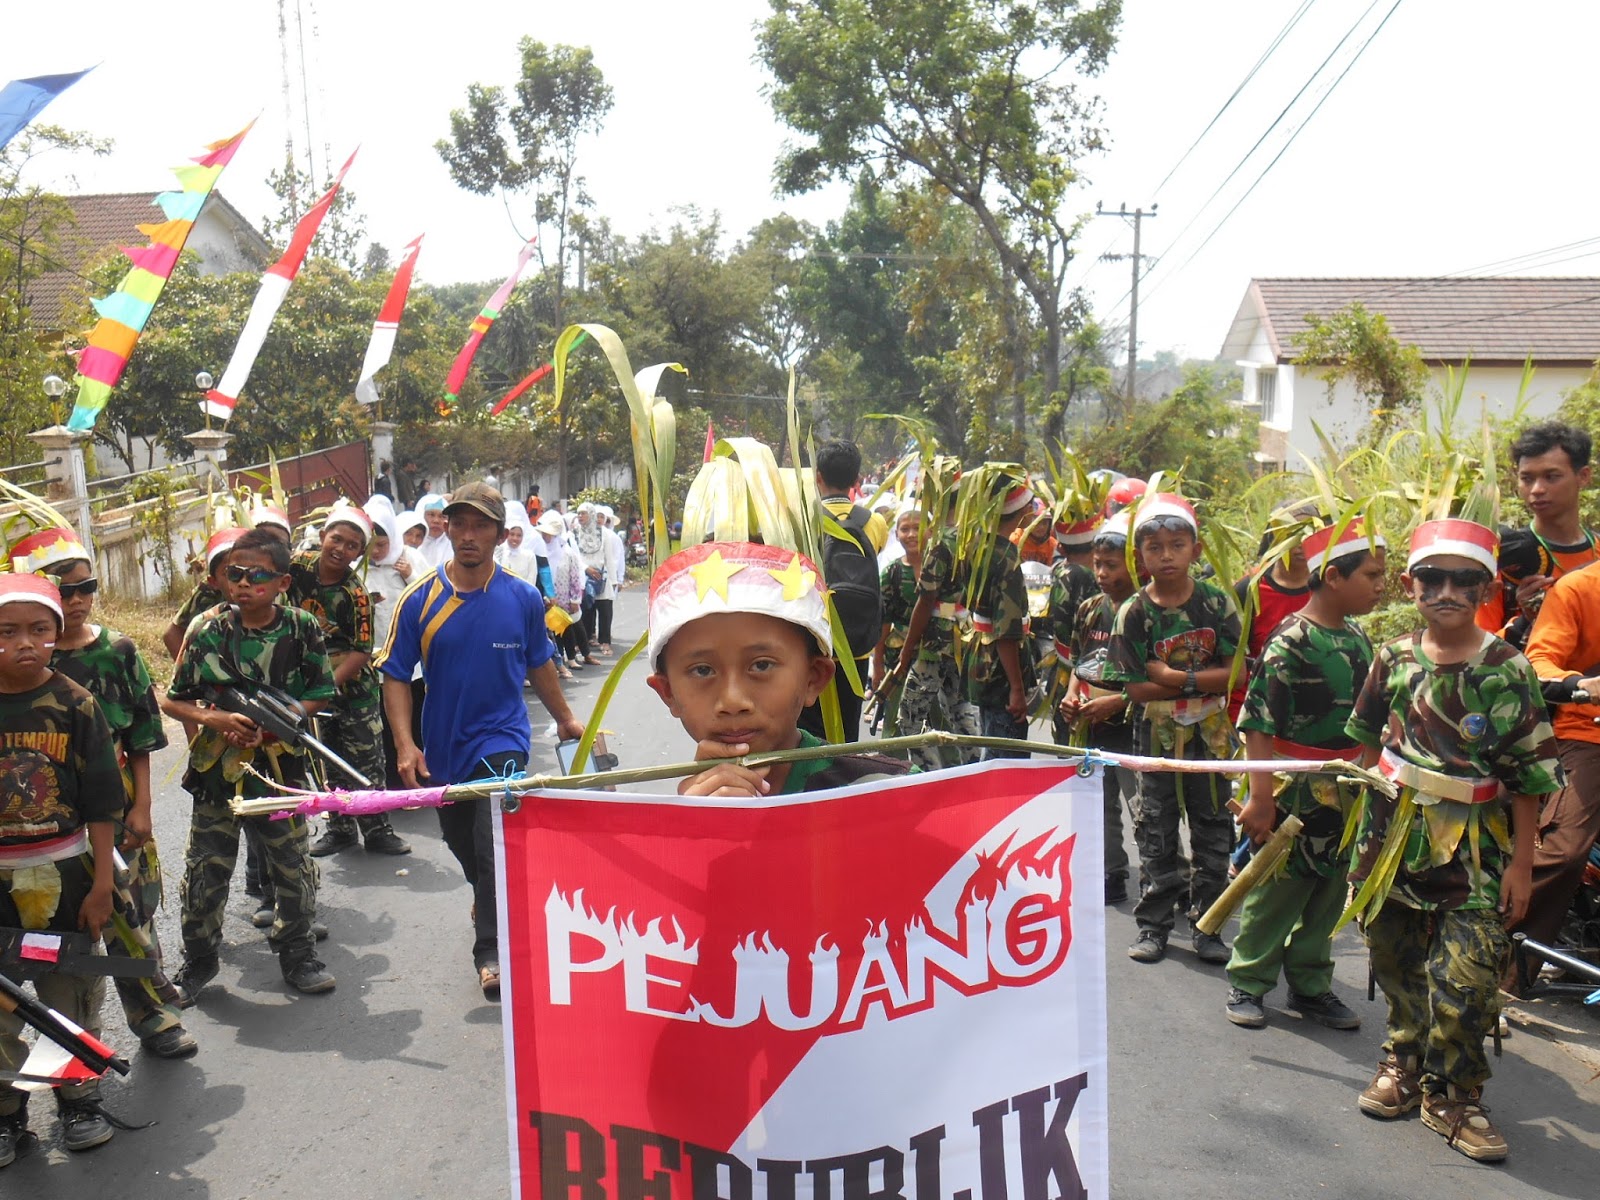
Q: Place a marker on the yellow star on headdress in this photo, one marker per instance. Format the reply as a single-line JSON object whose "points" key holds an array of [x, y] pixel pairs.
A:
{"points": [[712, 575], [796, 580]]}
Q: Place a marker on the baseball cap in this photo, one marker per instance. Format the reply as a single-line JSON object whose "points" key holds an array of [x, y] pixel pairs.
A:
{"points": [[481, 497]]}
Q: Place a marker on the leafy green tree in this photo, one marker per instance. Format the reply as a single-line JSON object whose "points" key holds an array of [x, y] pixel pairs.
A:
{"points": [[343, 230], [1355, 346], [980, 98]]}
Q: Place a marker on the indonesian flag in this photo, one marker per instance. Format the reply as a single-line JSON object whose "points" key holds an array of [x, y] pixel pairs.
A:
{"points": [[220, 400], [49, 1065], [479, 329], [888, 990], [711, 443], [387, 326]]}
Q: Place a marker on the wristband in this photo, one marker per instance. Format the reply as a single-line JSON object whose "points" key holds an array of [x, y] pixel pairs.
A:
{"points": [[1191, 685]]}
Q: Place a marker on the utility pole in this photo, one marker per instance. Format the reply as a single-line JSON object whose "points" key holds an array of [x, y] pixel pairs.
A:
{"points": [[1138, 216]]}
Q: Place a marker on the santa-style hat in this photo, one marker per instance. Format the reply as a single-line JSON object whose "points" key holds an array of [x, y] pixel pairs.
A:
{"points": [[1017, 498], [270, 514], [220, 543], [1166, 504], [1077, 533], [730, 577], [1321, 548], [17, 588], [1115, 526], [1466, 539], [346, 513], [46, 548]]}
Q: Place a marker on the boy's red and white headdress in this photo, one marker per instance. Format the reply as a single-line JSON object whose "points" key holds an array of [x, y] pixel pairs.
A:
{"points": [[1114, 526], [1321, 549], [1017, 499], [1166, 504], [270, 514], [220, 543], [46, 548], [1077, 533], [347, 513], [736, 577], [1466, 539], [20, 588]]}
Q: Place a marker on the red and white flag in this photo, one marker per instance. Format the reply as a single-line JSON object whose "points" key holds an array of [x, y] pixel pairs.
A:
{"points": [[387, 326], [49, 1065], [892, 990], [221, 400]]}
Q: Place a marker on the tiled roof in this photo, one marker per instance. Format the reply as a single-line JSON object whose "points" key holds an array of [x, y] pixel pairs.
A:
{"points": [[1556, 320], [99, 223]]}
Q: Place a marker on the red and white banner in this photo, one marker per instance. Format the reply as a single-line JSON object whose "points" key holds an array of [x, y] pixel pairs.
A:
{"points": [[887, 992]]}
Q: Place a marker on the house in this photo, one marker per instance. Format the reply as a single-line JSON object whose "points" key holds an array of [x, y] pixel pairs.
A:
{"points": [[1491, 326], [222, 238]]}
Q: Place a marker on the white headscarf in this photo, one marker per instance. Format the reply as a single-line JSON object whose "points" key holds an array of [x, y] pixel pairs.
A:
{"points": [[382, 513], [424, 503]]}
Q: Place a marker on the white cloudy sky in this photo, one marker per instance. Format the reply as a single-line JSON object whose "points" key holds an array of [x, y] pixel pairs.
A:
{"points": [[1459, 138]]}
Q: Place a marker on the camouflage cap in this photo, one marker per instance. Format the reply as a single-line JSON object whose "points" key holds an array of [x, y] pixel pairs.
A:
{"points": [[480, 497]]}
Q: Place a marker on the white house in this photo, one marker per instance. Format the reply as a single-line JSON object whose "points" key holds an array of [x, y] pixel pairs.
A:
{"points": [[1490, 325]]}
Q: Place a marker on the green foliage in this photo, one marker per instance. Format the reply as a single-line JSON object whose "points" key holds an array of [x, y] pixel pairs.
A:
{"points": [[1389, 621], [156, 515], [622, 501], [1354, 346], [342, 231]]}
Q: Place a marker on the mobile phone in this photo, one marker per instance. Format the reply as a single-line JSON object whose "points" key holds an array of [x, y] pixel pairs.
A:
{"points": [[566, 752]]}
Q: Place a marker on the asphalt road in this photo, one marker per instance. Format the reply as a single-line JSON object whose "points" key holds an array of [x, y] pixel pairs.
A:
{"points": [[392, 1087]]}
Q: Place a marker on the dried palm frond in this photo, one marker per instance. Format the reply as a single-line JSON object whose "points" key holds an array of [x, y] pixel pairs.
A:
{"points": [[29, 512]]}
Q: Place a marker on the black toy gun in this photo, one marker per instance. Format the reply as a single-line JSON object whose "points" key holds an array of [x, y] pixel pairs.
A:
{"points": [[277, 713], [90, 1051]]}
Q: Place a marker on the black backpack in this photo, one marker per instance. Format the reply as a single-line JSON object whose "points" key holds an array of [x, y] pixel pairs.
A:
{"points": [[850, 569]]}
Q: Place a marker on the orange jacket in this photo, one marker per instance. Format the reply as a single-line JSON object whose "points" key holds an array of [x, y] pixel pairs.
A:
{"points": [[1564, 644]]}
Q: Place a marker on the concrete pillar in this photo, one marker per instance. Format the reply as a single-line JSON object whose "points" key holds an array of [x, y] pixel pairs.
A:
{"points": [[383, 448], [66, 484], [211, 447]]}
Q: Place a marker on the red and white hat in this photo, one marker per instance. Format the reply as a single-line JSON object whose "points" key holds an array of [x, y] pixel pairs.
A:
{"points": [[1321, 549], [345, 512], [16, 588], [1114, 526], [1166, 504], [736, 577], [1466, 539], [1017, 499], [46, 548], [271, 514], [1077, 533], [220, 543]]}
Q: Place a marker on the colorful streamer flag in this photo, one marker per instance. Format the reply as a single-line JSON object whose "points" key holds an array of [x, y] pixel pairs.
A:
{"points": [[532, 378], [221, 400], [387, 326], [480, 327], [124, 312], [22, 100], [711, 443], [863, 991]]}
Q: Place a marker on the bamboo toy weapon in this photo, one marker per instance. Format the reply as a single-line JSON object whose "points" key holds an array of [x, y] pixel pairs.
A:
{"points": [[91, 1052], [1272, 852]]}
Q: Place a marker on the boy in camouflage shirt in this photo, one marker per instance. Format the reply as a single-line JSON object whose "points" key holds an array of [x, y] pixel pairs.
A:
{"points": [[1002, 671], [253, 641], [325, 584], [1173, 651], [1457, 714], [934, 694], [1311, 670], [897, 587]]}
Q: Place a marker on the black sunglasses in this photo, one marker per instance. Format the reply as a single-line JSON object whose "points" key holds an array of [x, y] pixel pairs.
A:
{"points": [[84, 587], [255, 576], [1461, 578]]}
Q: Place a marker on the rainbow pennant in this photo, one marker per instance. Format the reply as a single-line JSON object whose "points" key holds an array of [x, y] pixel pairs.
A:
{"points": [[124, 312]]}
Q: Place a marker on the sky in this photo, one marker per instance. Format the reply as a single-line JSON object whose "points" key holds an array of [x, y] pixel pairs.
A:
{"points": [[1449, 146]]}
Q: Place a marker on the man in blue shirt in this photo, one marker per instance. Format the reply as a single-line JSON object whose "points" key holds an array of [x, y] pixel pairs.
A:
{"points": [[478, 632]]}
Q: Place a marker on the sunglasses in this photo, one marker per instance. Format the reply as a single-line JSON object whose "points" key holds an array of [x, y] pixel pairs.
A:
{"points": [[84, 587], [254, 576], [1461, 578]]}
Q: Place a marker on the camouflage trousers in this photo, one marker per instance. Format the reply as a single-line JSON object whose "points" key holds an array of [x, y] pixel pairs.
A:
{"points": [[1440, 971], [357, 736], [76, 997], [935, 697], [150, 1005], [208, 871], [1165, 798]]}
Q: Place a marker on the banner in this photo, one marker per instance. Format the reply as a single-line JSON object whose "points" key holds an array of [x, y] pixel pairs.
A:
{"points": [[886, 992]]}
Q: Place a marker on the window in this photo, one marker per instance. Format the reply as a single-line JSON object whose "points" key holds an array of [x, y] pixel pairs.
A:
{"points": [[1267, 394]]}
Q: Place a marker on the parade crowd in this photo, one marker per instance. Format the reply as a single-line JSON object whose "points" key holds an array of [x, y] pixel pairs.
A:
{"points": [[983, 603]]}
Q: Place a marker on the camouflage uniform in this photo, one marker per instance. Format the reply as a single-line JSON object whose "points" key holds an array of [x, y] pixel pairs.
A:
{"points": [[1072, 585], [58, 773], [111, 669], [898, 588], [287, 654], [1089, 643], [934, 696], [1437, 941], [354, 721], [1000, 614], [1302, 693], [203, 597], [1200, 633]]}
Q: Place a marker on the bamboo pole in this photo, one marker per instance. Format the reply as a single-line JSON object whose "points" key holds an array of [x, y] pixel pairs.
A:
{"points": [[1272, 852]]}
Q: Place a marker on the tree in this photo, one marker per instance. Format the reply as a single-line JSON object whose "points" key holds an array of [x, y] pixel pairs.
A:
{"points": [[342, 231], [977, 96], [1199, 429], [1355, 346]]}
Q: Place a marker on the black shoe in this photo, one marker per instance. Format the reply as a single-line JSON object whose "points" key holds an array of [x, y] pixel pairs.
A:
{"points": [[1246, 1010], [319, 931], [1116, 890], [252, 886], [333, 841], [387, 841], [1150, 948], [171, 1043], [15, 1137], [83, 1125], [1326, 1009], [265, 914], [310, 976], [1209, 948], [191, 977]]}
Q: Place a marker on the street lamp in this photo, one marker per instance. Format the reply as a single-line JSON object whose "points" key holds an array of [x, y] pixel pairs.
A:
{"points": [[202, 383], [55, 387]]}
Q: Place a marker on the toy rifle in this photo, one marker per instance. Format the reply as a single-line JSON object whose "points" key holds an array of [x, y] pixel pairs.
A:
{"points": [[88, 1050], [1266, 860], [281, 715]]}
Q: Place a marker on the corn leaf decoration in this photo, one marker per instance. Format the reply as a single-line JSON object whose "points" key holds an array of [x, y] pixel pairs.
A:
{"points": [[21, 513]]}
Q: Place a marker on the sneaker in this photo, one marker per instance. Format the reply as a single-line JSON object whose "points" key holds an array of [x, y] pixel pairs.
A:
{"points": [[489, 980], [1150, 948], [171, 1043], [333, 841], [83, 1125], [309, 976], [191, 977], [265, 914], [1459, 1114], [1116, 890], [1209, 948], [387, 841], [1326, 1009], [15, 1137], [1394, 1091], [1246, 1010]]}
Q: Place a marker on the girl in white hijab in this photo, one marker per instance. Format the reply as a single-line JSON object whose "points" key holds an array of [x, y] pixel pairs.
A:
{"points": [[519, 553], [392, 566]]}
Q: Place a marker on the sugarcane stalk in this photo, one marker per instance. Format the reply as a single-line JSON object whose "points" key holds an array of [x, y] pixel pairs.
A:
{"points": [[1266, 860]]}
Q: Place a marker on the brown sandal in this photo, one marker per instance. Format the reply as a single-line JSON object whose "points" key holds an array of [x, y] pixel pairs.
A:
{"points": [[489, 981]]}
